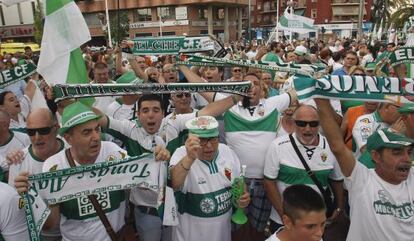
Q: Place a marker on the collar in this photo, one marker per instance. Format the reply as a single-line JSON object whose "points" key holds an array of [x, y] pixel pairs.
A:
{"points": [[321, 143]]}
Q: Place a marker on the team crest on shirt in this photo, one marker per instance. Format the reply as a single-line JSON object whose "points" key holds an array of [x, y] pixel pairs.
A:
{"points": [[110, 158], [324, 156], [227, 172], [365, 120], [207, 205], [53, 168]]}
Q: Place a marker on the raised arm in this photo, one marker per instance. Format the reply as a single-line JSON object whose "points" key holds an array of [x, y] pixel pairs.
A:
{"points": [[194, 78], [334, 136], [217, 108]]}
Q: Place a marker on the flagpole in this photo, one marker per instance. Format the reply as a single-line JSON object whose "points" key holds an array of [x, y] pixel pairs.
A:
{"points": [[277, 20], [108, 26], [119, 24]]}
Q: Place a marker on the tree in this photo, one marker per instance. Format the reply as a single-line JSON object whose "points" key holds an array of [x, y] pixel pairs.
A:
{"points": [[401, 16], [381, 12], [119, 31], [38, 23]]}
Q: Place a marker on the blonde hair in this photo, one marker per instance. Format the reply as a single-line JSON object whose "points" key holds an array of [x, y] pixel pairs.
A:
{"points": [[355, 68]]}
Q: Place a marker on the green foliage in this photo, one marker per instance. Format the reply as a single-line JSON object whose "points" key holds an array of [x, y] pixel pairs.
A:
{"points": [[399, 17], [118, 31], [38, 23]]}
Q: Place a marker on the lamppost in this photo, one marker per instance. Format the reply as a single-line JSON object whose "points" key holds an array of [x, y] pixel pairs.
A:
{"points": [[250, 24]]}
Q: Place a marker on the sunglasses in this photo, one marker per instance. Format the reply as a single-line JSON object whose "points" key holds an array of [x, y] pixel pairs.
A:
{"points": [[305, 123], [187, 95], [236, 70], [41, 131], [358, 74]]}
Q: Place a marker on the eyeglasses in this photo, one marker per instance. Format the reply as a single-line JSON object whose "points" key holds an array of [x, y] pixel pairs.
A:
{"points": [[169, 71], [41, 131], [187, 95], [301, 123], [237, 70], [212, 140]]}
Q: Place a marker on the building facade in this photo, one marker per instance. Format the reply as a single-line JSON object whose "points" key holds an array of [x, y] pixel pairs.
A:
{"points": [[336, 16], [16, 22], [222, 18]]}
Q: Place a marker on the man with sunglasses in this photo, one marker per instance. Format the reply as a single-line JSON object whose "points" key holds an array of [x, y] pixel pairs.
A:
{"points": [[284, 168], [202, 172], [42, 129], [9, 141]]}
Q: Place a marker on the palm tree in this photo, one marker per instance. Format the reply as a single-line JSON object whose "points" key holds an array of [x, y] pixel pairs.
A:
{"points": [[401, 16], [382, 11]]}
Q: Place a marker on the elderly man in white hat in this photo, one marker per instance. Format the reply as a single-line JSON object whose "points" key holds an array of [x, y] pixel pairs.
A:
{"points": [[202, 172]]}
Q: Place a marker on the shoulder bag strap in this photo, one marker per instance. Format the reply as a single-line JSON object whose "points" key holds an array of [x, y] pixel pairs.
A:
{"points": [[308, 170], [95, 203]]}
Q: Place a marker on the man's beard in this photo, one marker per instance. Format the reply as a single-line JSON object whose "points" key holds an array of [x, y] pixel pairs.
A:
{"points": [[246, 102]]}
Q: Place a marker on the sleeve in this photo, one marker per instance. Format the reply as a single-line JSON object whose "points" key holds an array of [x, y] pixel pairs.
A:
{"points": [[361, 131], [13, 225], [272, 161], [279, 102], [26, 105], [358, 179], [177, 125], [177, 156], [120, 129], [336, 174]]}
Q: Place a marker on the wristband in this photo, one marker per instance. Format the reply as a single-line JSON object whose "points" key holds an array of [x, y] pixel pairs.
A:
{"points": [[182, 165], [235, 101]]}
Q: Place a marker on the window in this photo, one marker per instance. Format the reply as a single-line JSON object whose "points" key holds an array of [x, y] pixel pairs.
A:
{"points": [[202, 13], [313, 13], [143, 35], [91, 19], [142, 15], [166, 12], [266, 6], [259, 18], [220, 13]]}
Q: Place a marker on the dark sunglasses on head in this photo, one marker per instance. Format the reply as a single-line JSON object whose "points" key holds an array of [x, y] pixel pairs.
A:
{"points": [[41, 131], [183, 94], [305, 123]]}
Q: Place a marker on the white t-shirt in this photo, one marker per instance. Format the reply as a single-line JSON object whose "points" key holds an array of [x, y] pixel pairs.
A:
{"points": [[247, 134], [16, 141], [380, 210], [283, 165], [120, 111], [204, 201], [137, 142], [78, 220], [174, 129], [13, 225]]}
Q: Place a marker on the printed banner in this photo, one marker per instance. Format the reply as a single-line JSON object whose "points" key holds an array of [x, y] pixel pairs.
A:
{"points": [[177, 44], [72, 183], [346, 87], [402, 55], [11, 76], [302, 69], [62, 91]]}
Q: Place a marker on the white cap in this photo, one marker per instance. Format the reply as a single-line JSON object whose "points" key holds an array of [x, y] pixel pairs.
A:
{"points": [[300, 50]]}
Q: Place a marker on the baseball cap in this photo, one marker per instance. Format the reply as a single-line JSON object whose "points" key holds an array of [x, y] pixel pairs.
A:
{"points": [[387, 138], [203, 126], [300, 50]]}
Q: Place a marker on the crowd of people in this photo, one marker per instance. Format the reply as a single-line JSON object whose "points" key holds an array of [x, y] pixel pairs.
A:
{"points": [[315, 169]]}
